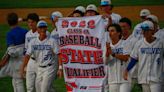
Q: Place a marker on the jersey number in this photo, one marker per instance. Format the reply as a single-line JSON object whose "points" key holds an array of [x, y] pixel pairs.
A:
{"points": [[48, 56]]}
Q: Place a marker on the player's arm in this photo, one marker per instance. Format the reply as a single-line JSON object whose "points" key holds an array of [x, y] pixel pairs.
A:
{"points": [[107, 16], [6, 56], [26, 58], [58, 59], [133, 59], [131, 64], [4, 60], [123, 57], [25, 62]]}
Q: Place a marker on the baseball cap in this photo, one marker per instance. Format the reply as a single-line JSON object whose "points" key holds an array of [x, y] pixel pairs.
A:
{"points": [[105, 2], [147, 25], [42, 23], [56, 14], [91, 7], [153, 18], [144, 12], [80, 8]]}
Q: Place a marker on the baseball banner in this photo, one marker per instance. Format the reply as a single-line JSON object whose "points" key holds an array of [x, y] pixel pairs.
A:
{"points": [[81, 41]]}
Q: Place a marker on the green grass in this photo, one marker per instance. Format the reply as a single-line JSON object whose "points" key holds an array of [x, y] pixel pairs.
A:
{"points": [[5, 83], [71, 3]]}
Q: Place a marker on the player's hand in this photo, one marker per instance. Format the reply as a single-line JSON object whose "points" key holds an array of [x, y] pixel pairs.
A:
{"points": [[109, 50], [125, 75], [60, 73], [4, 60], [104, 16]]}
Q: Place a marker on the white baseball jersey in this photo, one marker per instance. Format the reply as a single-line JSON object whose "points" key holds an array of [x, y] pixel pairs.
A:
{"points": [[55, 35], [137, 31], [150, 57], [30, 35], [115, 18], [160, 34], [129, 44], [116, 67], [43, 51], [15, 61]]}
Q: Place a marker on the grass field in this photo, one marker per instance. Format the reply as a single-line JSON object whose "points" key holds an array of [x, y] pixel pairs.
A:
{"points": [[71, 3], [5, 83]]}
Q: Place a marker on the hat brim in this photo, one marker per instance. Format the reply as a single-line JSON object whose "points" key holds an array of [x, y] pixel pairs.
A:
{"points": [[42, 26]]}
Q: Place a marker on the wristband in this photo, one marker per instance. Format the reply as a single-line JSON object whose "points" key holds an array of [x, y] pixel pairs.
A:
{"points": [[60, 67]]}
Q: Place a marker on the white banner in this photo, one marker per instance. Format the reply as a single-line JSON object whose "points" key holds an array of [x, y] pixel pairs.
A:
{"points": [[80, 41]]}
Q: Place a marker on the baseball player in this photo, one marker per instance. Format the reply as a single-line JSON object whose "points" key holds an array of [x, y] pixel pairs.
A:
{"points": [[159, 33], [31, 70], [137, 32], [116, 64], [91, 10], [44, 49], [106, 8], [14, 54], [149, 54], [54, 18], [78, 12], [129, 42], [109, 16]]}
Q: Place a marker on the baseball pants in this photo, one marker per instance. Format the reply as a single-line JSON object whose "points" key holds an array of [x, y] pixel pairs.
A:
{"points": [[18, 85], [31, 75], [152, 87], [120, 87], [45, 77]]}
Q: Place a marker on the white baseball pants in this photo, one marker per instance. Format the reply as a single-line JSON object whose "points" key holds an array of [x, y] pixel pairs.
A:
{"points": [[31, 73], [152, 87], [45, 77], [120, 87], [18, 85]]}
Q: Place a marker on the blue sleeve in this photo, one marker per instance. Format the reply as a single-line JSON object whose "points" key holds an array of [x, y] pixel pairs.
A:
{"points": [[10, 40], [131, 64]]}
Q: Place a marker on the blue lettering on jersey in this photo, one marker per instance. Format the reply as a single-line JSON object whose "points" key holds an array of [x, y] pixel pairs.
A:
{"points": [[55, 36], [118, 51], [41, 47], [158, 61], [151, 50]]}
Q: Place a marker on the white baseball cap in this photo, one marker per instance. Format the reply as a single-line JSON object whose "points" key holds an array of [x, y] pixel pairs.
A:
{"points": [[80, 8], [153, 18], [105, 2], [144, 12], [56, 14], [147, 25], [42, 23], [91, 7]]}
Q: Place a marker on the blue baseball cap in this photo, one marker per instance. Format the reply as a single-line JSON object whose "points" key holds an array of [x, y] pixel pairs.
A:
{"points": [[105, 2], [147, 25], [42, 23]]}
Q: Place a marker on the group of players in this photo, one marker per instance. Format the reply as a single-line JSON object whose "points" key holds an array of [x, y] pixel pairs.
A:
{"points": [[128, 56]]}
